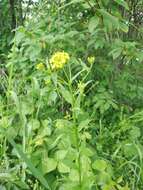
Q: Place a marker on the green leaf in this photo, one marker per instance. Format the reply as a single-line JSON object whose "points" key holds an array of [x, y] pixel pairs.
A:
{"points": [[20, 34], [85, 163], [74, 175], [135, 133], [84, 124], [124, 27], [16, 100], [52, 97], [93, 23], [129, 150], [99, 165], [63, 123], [34, 124], [111, 22], [63, 168], [21, 184], [122, 3], [66, 94], [60, 154], [116, 52], [99, 43], [26, 107], [86, 151], [48, 165], [5, 175], [103, 178], [108, 187]]}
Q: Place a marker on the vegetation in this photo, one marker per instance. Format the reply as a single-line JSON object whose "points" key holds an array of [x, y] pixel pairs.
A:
{"points": [[71, 95]]}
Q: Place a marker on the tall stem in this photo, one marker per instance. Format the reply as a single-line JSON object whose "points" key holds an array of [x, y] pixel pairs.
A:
{"points": [[75, 126]]}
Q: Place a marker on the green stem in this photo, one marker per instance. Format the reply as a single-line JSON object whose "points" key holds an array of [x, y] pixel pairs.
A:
{"points": [[76, 129], [77, 146]]}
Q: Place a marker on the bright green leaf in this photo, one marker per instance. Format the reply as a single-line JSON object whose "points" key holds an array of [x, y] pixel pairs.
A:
{"points": [[99, 165], [63, 168], [48, 165]]}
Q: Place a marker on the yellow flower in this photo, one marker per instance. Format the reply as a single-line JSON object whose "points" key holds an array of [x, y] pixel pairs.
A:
{"points": [[59, 59], [91, 59], [40, 66]]}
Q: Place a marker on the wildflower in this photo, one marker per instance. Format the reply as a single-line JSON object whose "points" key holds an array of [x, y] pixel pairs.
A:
{"points": [[40, 66], [59, 59], [91, 59]]}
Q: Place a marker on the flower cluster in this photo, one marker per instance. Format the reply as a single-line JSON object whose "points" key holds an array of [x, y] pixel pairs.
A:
{"points": [[40, 66], [59, 59]]}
